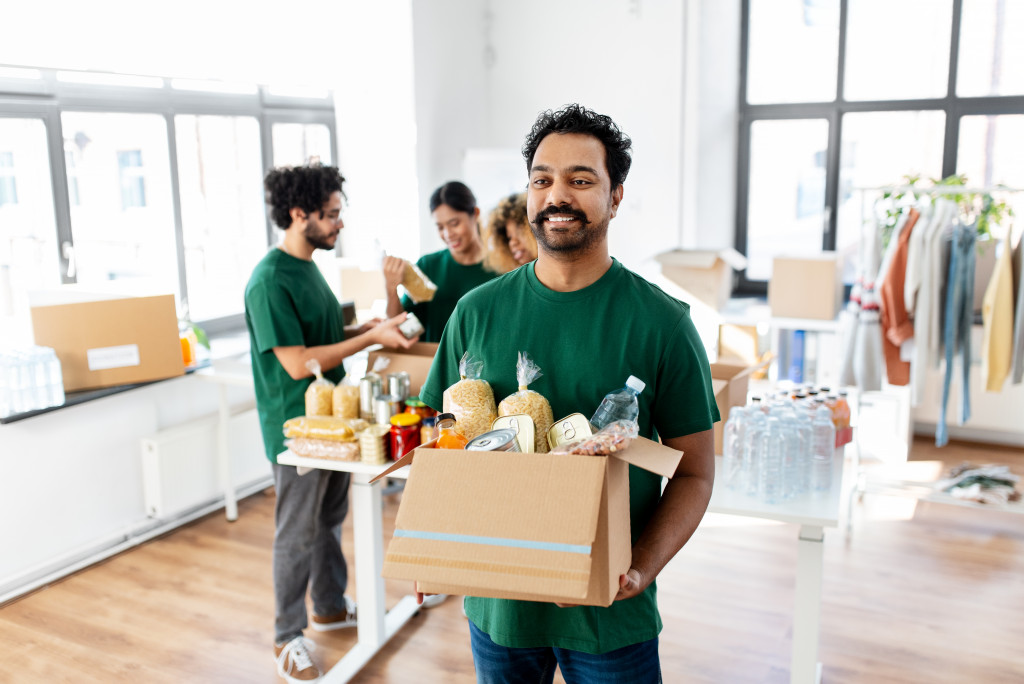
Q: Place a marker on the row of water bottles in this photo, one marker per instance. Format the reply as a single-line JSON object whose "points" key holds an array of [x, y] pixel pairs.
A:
{"points": [[780, 451], [30, 379]]}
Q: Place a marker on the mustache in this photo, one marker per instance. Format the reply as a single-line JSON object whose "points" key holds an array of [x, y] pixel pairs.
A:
{"points": [[564, 210]]}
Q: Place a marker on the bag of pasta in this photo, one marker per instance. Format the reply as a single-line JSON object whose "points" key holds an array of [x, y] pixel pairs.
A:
{"points": [[529, 402], [345, 402], [324, 427], [416, 283], [612, 438], [320, 393], [470, 400]]}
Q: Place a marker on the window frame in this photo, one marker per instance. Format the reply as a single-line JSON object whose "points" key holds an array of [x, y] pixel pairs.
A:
{"points": [[954, 107], [48, 98]]}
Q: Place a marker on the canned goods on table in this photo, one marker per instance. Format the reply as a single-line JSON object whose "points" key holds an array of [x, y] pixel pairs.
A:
{"points": [[405, 434], [416, 405], [369, 389], [385, 406], [496, 440], [398, 385]]}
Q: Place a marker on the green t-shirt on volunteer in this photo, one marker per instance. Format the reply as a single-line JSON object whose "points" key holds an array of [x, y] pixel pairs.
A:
{"points": [[586, 344], [453, 280], [287, 303]]}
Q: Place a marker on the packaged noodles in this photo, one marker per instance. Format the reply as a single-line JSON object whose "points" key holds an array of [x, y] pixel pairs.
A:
{"points": [[320, 393], [323, 448], [324, 427], [470, 400], [346, 401], [529, 402], [417, 284]]}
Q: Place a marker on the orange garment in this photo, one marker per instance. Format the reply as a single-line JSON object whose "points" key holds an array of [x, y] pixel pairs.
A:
{"points": [[894, 320]]}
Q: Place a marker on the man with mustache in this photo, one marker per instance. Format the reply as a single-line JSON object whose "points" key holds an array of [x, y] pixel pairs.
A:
{"points": [[589, 323], [293, 317]]}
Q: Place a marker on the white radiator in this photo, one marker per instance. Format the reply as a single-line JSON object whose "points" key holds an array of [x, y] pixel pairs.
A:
{"points": [[180, 470]]}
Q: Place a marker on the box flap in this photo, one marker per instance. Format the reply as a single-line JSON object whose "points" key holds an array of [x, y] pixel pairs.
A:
{"points": [[402, 462], [416, 361], [690, 258], [733, 258], [652, 456]]}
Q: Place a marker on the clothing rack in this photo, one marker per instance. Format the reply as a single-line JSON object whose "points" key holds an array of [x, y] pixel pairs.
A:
{"points": [[940, 189]]}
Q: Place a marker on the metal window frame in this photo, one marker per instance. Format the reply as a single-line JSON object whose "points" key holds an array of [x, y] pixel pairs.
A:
{"points": [[953, 106], [48, 98]]}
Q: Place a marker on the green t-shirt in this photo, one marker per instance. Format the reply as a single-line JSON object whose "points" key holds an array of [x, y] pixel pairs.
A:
{"points": [[453, 280], [586, 344], [287, 303]]}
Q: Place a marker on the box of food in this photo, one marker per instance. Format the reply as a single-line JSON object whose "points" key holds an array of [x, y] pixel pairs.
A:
{"points": [[806, 287], [110, 342], [534, 527], [415, 361]]}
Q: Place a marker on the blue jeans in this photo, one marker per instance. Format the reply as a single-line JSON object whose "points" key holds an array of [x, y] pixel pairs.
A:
{"points": [[959, 316], [636, 664]]}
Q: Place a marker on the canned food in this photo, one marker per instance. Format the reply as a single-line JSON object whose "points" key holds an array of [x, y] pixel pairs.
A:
{"points": [[385, 406], [572, 428], [411, 326], [405, 434], [398, 385], [524, 429], [373, 444], [495, 440], [369, 389]]}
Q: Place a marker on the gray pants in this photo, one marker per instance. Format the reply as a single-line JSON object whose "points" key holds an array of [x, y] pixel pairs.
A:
{"points": [[307, 546]]}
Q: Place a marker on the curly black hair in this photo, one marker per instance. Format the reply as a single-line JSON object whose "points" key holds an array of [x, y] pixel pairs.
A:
{"points": [[306, 187], [575, 118]]}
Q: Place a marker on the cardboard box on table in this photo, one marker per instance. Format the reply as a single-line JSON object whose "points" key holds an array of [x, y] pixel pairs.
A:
{"points": [[535, 527], [729, 382], [806, 287], [415, 361], [110, 342], [704, 273]]}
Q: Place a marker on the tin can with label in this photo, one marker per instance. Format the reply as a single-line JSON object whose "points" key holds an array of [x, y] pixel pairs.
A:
{"points": [[385, 406], [398, 385], [572, 428], [524, 429], [369, 389], [405, 434], [495, 440]]}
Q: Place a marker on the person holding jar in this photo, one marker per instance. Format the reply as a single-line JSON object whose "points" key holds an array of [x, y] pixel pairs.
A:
{"points": [[509, 240], [455, 270]]}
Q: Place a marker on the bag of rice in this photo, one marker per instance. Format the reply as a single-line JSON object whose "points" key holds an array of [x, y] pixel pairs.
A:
{"points": [[320, 393], [529, 402], [470, 400], [346, 400], [416, 283]]}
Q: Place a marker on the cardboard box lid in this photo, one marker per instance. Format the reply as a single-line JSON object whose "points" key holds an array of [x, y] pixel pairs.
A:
{"points": [[416, 361], [703, 258]]}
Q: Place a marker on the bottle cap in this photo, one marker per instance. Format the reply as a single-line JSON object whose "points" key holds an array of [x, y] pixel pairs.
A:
{"points": [[635, 384], [445, 416]]}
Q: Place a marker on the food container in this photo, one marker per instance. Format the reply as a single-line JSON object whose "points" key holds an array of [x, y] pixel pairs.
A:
{"points": [[415, 405], [495, 440], [572, 428], [524, 428], [369, 389], [385, 406], [398, 385], [373, 444], [411, 326], [404, 434], [428, 430]]}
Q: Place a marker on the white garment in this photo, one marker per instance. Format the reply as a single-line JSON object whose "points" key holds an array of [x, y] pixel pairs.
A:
{"points": [[914, 255], [929, 276]]}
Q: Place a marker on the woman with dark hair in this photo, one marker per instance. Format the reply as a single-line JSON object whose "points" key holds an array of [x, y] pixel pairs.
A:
{"points": [[509, 240], [455, 270]]}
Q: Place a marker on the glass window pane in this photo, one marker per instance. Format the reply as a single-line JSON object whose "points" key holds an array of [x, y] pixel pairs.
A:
{"points": [[223, 221], [989, 154], [880, 148], [990, 50], [28, 231], [787, 191], [794, 51], [123, 222], [898, 49], [296, 144]]}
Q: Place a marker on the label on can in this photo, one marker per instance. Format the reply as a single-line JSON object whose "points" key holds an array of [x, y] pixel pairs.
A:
{"points": [[523, 426], [572, 428], [495, 440]]}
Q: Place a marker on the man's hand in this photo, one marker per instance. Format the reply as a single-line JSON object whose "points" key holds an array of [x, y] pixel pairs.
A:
{"points": [[360, 328], [630, 584], [394, 270], [388, 334]]}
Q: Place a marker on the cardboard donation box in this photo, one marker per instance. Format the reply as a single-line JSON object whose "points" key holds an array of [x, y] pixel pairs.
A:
{"points": [[534, 527], [415, 361], [806, 287], [111, 342], [729, 382], [705, 274]]}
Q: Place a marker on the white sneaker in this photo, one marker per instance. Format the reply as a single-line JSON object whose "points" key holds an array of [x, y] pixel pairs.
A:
{"points": [[433, 600], [294, 662]]}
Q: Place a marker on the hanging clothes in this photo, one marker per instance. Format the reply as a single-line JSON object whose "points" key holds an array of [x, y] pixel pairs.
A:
{"points": [[867, 346], [1017, 373], [997, 321], [894, 320], [958, 319]]}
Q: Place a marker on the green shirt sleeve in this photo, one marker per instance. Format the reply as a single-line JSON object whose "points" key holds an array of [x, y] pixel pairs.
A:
{"points": [[272, 314]]}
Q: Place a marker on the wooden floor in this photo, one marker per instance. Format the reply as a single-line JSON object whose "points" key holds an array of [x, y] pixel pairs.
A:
{"points": [[934, 595]]}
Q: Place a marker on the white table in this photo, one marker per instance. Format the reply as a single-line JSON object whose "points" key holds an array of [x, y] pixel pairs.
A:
{"points": [[376, 624], [812, 514]]}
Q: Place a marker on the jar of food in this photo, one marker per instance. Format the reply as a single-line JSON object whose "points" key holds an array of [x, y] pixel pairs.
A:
{"points": [[428, 431], [405, 434], [447, 437], [416, 405]]}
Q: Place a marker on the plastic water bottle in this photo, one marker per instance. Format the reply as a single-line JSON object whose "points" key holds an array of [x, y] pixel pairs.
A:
{"points": [[621, 404], [753, 447], [770, 472], [824, 448], [732, 448]]}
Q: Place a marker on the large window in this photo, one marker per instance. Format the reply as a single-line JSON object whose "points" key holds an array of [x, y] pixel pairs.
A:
{"points": [[837, 96], [153, 182]]}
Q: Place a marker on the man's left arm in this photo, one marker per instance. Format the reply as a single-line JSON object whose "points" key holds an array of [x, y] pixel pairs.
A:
{"points": [[677, 515]]}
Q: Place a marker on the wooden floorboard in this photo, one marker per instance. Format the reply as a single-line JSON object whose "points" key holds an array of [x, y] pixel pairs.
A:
{"points": [[917, 593]]}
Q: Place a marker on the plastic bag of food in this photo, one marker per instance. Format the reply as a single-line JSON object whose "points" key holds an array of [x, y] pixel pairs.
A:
{"points": [[470, 400], [323, 448], [419, 287], [606, 441], [345, 402], [321, 427], [320, 393], [529, 402]]}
